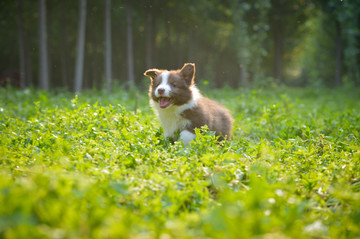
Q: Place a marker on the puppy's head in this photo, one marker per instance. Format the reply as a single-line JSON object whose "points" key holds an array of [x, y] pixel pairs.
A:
{"points": [[169, 88]]}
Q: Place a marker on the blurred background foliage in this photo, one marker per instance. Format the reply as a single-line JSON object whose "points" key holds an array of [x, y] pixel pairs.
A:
{"points": [[232, 42]]}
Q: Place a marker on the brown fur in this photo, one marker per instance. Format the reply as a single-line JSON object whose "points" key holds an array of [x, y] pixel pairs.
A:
{"points": [[204, 112], [181, 89], [210, 113]]}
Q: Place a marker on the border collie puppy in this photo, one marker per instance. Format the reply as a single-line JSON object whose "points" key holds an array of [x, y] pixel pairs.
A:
{"points": [[180, 106]]}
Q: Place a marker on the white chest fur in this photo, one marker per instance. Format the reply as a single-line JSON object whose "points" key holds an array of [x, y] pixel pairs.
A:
{"points": [[171, 119]]}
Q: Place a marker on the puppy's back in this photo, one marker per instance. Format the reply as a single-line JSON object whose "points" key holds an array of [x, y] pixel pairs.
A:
{"points": [[210, 113]]}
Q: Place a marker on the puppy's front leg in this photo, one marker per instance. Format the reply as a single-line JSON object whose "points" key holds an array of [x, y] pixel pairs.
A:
{"points": [[186, 136]]}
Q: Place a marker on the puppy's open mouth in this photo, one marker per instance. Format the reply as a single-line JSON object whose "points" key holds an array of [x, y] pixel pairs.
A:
{"points": [[164, 102]]}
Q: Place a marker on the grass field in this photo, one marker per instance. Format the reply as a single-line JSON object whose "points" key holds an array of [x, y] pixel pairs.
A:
{"points": [[90, 166]]}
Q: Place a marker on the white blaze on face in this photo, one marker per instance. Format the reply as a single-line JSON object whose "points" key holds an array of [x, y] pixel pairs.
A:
{"points": [[164, 85]]}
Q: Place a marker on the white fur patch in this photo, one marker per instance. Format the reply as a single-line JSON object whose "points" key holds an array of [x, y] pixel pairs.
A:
{"points": [[193, 102], [186, 137], [164, 85], [171, 119]]}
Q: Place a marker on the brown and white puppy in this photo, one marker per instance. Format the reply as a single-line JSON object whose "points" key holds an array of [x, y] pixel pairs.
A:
{"points": [[180, 106]]}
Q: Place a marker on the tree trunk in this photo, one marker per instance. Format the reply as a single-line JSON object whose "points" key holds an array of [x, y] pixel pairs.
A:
{"points": [[278, 53], [179, 51], [79, 67], [148, 36], [169, 61], [63, 47], [108, 61], [243, 76], [338, 64], [28, 62], [44, 68], [21, 46], [191, 51], [130, 50]]}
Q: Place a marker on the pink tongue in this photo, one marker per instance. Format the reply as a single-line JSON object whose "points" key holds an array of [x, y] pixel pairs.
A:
{"points": [[164, 102]]}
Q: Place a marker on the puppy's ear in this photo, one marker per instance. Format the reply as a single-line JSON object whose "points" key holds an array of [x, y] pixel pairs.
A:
{"points": [[152, 73], [188, 73]]}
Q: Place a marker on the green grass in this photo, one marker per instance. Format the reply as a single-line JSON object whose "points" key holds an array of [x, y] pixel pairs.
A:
{"points": [[91, 167]]}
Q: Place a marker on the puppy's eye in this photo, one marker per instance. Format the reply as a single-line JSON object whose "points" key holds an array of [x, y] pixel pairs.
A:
{"points": [[173, 85]]}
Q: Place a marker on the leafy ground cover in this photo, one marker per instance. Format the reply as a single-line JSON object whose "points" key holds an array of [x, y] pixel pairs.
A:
{"points": [[97, 166]]}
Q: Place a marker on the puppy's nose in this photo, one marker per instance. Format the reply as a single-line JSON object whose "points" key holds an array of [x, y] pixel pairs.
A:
{"points": [[161, 91]]}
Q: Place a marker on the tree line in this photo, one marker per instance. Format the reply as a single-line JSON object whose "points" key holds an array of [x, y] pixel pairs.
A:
{"points": [[83, 44]]}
